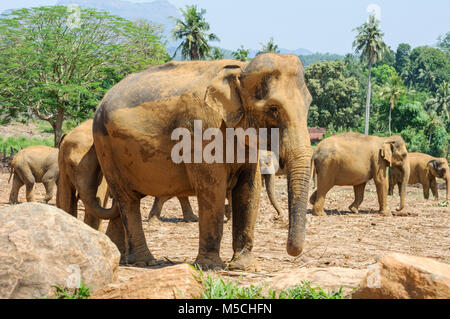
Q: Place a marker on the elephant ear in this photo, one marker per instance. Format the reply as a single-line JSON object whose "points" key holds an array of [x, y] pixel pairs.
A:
{"points": [[386, 152], [432, 166], [224, 97]]}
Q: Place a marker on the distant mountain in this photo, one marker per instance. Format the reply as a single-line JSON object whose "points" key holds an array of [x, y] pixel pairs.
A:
{"points": [[157, 11]]}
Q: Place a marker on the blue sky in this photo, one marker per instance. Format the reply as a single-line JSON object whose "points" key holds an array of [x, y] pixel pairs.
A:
{"points": [[319, 25]]}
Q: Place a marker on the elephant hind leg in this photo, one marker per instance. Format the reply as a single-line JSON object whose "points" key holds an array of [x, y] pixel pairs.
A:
{"points": [[16, 185], [359, 197], [188, 214], [155, 212], [323, 186], [66, 196]]}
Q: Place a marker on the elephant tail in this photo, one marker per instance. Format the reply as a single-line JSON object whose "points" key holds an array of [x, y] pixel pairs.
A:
{"points": [[88, 184], [270, 188]]}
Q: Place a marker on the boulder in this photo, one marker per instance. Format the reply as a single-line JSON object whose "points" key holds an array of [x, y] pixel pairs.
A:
{"points": [[173, 282], [399, 276], [42, 246], [331, 278]]}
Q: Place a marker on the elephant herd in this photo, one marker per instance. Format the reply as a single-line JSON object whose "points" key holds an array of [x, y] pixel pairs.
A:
{"points": [[125, 153]]}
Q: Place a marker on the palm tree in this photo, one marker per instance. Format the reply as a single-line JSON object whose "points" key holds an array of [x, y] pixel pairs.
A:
{"points": [[192, 30], [440, 102], [217, 54], [241, 54], [369, 43], [269, 47], [392, 92]]}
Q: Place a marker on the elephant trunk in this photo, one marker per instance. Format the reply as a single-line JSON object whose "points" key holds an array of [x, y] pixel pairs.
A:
{"points": [[405, 179], [269, 180], [298, 159]]}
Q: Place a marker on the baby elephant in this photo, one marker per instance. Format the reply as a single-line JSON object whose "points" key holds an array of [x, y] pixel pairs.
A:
{"points": [[424, 170], [34, 164]]}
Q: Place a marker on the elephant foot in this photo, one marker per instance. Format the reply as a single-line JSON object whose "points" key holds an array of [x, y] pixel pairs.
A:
{"points": [[385, 213], [190, 218], [139, 260], [210, 261], [153, 219], [319, 213], [244, 262], [354, 210]]}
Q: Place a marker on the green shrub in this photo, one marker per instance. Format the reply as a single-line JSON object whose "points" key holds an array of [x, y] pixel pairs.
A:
{"points": [[21, 142]]}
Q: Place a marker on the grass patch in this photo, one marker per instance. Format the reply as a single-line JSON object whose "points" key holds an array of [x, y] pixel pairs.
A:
{"points": [[442, 204], [217, 288], [78, 293], [45, 127], [18, 143]]}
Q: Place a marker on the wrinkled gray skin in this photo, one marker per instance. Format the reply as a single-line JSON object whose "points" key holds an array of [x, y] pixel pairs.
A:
{"points": [[34, 164]]}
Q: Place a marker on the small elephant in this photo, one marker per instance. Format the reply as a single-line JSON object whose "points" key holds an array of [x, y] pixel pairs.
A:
{"points": [[34, 164], [354, 159], [424, 170], [75, 159]]}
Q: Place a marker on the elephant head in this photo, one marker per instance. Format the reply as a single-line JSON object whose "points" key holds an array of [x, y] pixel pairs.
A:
{"points": [[439, 169], [270, 92], [394, 152]]}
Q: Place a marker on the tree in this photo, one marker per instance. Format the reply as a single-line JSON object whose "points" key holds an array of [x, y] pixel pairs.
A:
{"points": [[335, 96], [193, 31], [241, 54], [217, 54], [444, 44], [392, 92], [369, 44], [402, 57], [56, 70], [269, 47], [441, 101]]}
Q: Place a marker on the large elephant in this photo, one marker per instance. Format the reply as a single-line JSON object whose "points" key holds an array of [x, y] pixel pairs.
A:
{"points": [[34, 164], [76, 155], [424, 170], [133, 126], [354, 159]]}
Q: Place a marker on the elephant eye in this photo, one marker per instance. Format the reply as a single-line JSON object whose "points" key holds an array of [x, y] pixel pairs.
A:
{"points": [[274, 110]]}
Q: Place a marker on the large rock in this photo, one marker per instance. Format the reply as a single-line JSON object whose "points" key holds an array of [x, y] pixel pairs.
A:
{"points": [[331, 278], [42, 246], [398, 276], [173, 282]]}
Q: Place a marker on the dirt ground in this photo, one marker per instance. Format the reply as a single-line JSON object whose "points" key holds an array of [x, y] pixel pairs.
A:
{"points": [[340, 239]]}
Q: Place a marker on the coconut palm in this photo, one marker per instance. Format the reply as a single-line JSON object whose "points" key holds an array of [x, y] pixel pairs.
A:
{"points": [[192, 30], [269, 47], [392, 92], [369, 44], [440, 102]]}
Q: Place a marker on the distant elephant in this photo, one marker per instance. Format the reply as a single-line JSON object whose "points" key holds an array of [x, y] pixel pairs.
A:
{"points": [[76, 154], [133, 128], [34, 164], [354, 159], [424, 170]]}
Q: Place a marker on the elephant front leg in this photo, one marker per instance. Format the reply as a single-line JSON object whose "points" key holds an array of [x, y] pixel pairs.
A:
{"points": [[382, 187], [245, 203], [49, 190], [359, 197], [434, 189], [16, 185]]}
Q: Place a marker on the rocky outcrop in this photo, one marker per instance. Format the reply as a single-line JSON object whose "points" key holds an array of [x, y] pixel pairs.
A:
{"points": [[173, 282], [331, 278], [399, 276], [42, 246]]}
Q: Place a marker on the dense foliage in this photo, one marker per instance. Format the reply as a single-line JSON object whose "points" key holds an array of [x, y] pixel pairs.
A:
{"points": [[57, 69]]}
